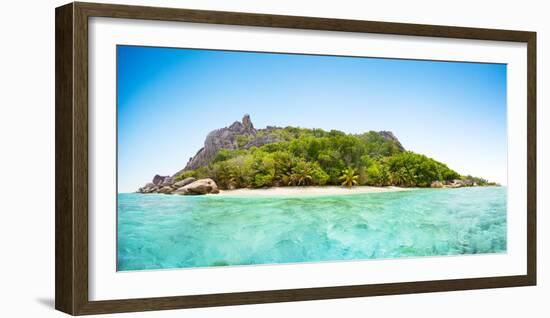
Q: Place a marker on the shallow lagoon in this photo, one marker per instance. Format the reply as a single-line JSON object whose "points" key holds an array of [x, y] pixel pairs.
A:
{"points": [[158, 231]]}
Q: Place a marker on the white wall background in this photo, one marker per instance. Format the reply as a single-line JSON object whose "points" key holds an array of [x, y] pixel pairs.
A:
{"points": [[27, 158]]}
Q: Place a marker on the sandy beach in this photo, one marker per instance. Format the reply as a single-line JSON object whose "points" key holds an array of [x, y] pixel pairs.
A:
{"points": [[310, 190]]}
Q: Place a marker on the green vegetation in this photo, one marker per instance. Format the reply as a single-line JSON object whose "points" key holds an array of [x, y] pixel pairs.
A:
{"points": [[349, 178], [478, 181], [303, 157]]}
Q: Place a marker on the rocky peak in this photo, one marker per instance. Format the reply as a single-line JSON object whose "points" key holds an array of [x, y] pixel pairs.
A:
{"points": [[224, 138], [388, 135], [235, 126], [247, 123]]}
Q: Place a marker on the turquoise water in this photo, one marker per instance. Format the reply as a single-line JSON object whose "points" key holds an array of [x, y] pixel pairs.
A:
{"points": [[170, 231]]}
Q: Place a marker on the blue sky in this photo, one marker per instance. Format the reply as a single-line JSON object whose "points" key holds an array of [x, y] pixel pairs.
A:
{"points": [[170, 99]]}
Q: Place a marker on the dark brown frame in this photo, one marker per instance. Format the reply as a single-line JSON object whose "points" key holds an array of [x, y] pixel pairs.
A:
{"points": [[71, 158]]}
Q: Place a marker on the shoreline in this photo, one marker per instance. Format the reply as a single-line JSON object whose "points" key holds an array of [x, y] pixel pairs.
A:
{"points": [[310, 190], [313, 191]]}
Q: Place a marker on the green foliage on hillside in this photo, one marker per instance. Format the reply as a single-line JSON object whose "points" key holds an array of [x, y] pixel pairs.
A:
{"points": [[316, 157], [478, 181]]}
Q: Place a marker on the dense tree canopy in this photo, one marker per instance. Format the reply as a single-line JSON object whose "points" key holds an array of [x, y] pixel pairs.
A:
{"points": [[304, 157]]}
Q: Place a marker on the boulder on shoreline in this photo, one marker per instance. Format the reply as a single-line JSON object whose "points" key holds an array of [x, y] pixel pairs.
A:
{"points": [[437, 184], [166, 190], [184, 182], [168, 181], [456, 183], [157, 179], [148, 188], [188, 186], [201, 186]]}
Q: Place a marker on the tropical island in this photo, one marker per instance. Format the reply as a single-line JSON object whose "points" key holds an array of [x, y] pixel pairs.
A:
{"points": [[243, 157], [352, 159]]}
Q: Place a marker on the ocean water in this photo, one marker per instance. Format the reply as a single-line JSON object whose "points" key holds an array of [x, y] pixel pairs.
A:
{"points": [[170, 231]]}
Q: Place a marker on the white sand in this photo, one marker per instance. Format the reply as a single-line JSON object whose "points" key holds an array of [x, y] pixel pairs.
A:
{"points": [[310, 190]]}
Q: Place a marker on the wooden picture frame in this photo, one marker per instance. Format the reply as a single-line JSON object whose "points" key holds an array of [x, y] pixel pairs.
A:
{"points": [[71, 124]]}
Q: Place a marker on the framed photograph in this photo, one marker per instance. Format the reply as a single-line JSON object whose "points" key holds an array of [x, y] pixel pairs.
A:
{"points": [[211, 158]]}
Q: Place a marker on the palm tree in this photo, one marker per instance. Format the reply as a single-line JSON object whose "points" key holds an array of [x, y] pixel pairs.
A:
{"points": [[384, 176], [301, 174], [349, 178], [400, 177]]}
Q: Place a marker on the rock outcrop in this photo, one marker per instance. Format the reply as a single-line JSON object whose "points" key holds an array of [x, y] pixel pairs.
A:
{"points": [[148, 188], [167, 181], [388, 135], [262, 140], [188, 186], [166, 190], [157, 180], [224, 138], [201, 186], [437, 184], [456, 183], [184, 182]]}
